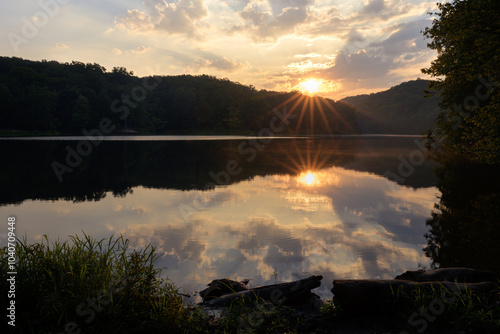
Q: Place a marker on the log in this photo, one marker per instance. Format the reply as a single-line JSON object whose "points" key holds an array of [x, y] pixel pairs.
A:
{"points": [[376, 297], [455, 274], [223, 286], [276, 293]]}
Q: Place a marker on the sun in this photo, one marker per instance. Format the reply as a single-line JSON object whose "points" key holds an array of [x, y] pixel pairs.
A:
{"points": [[310, 86], [309, 178]]}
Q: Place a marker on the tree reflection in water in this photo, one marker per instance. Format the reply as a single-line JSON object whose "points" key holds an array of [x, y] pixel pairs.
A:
{"points": [[465, 228]]}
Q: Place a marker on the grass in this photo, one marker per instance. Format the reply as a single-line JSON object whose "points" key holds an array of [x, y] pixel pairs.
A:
{"points": [[96, 286], [441, 310], [258, 317], [86, 285]]}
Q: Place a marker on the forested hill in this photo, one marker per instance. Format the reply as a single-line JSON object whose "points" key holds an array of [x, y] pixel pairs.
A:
{"points": [[47, 97], [399, 110]]}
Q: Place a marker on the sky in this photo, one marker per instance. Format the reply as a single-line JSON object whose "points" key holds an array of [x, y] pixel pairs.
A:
{"points": [[331, 48]]}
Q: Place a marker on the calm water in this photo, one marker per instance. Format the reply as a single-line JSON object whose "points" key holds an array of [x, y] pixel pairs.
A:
{"points": [[239, 207]]}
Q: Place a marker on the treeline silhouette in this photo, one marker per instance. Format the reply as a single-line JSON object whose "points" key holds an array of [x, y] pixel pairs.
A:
{"points": [[402, 109], [48, 97]]}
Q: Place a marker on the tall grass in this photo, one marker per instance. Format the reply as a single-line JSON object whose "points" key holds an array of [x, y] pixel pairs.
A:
{"points": [[444, 310], [96, 286], [258, 317]]}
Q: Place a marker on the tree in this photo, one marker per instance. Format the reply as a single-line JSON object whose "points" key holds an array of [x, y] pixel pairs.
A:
{"points": [[466, 36], [39, 104], [7, 114], [80, 116], [233, 119]]}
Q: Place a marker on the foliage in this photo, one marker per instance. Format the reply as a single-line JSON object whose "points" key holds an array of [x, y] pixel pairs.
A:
{"points": [[330, 309], [50, 97], [466, 36], [401, 109], [439, 310], [97, 286], [259, 317]]}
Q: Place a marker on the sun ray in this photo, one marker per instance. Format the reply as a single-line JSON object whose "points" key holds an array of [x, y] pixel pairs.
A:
{"points": [[311, 113], [323, 116], [293, 97], [316, 157], [293, 165], [340, 118], [301, 116]]}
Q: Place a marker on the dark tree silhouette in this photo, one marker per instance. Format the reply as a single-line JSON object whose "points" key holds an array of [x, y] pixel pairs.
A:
{"points": [[49, 97], [466, 36]]}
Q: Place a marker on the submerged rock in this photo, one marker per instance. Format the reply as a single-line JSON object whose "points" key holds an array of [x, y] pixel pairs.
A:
{"points": [[460, 275], [224, 286], [377, 297], [298, 292]]}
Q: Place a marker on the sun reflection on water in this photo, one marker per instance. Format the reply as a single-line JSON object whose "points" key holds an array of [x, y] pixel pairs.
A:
{"points": [[318, 178]]}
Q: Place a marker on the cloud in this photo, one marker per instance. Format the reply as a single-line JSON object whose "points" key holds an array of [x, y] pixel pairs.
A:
{"points": [[385, 10], [404, 38], [230, 261], [276, 258], [117, 51], [218, 63], [219, 197], [396, 53], [374, 7], [358, 66], [135, 21], [368, 20], [140, 210], [269, 21], [182, 17], [62, 46], [180, 240], [140, 50]]}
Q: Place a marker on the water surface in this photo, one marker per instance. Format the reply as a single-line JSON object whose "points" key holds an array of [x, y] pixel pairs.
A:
{"points": [[241, 207]]}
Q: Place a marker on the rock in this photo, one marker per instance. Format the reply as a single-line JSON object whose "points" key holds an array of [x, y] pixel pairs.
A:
{"points": [[306, 302], [383, 297], [461, 275], [220, 287], [276, 293]]}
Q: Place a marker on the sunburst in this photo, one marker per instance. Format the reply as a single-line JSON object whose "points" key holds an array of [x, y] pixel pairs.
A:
{"points": [[309, 178], [310, 86]]}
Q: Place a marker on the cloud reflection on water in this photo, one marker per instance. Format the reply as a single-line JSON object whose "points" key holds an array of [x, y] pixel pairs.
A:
{"points": [[346, 224], [343, 224]]}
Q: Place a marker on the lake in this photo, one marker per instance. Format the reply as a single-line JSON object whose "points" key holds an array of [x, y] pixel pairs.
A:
{"points": [[268, 209]]}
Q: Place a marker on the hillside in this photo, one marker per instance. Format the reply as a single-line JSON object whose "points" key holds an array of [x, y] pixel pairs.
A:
{"points": [[47, 97], [401, 109]]}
